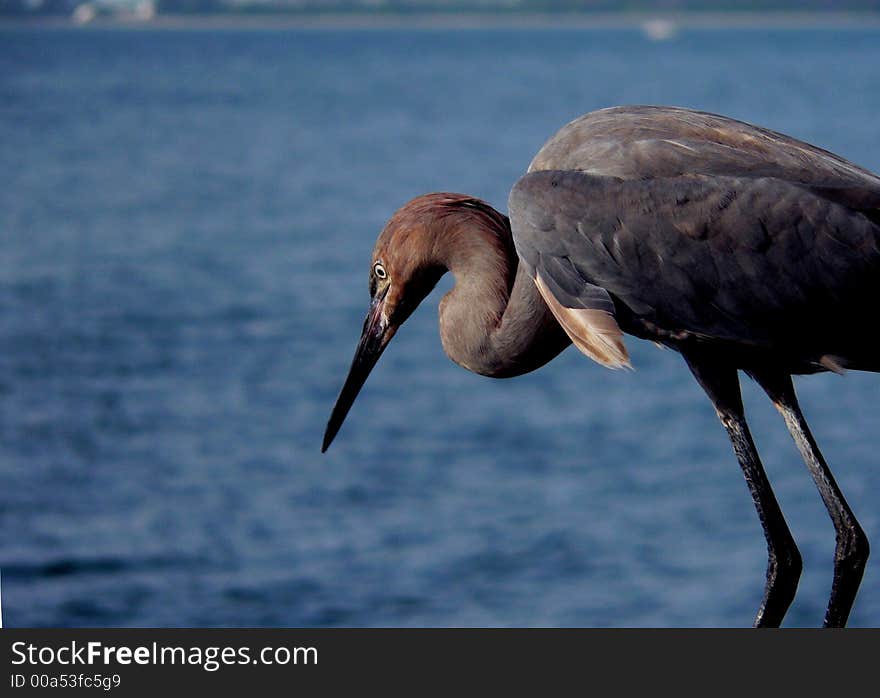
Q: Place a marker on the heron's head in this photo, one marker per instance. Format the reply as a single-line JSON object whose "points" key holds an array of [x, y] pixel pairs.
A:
{"points": [[405, 266]]}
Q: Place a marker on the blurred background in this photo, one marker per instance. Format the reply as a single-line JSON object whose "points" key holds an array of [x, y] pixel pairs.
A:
{"points": [[187, 210]]}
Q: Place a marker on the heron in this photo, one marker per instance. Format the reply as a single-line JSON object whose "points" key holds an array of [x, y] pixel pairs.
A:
{"points": [[741, 248]]}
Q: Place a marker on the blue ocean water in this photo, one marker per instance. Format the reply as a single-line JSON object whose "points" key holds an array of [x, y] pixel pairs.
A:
{"points": [[186, 219]]}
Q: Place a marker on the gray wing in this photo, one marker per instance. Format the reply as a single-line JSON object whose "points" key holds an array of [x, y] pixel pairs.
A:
{"points": [[637, 142], [759, 261]]}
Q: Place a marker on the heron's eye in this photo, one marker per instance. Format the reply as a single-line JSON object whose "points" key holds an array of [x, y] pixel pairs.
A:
{"points": [[379, 271]]}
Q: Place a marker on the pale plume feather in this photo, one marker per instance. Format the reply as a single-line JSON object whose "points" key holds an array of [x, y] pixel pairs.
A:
{"points": [[594, 332]]}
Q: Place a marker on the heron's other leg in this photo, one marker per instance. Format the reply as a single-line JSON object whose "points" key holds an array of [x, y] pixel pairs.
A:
{"points": [[784, 560], [851, 551]]}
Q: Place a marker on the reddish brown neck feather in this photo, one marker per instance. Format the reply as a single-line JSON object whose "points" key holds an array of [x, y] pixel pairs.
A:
{"points": [[493, 322]]}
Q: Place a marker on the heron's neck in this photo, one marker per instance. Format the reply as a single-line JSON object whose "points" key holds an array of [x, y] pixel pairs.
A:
{"points": [[493, 322]]}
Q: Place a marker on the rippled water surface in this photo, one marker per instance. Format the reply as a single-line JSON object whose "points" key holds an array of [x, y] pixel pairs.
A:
{"points": [[186, 220]]}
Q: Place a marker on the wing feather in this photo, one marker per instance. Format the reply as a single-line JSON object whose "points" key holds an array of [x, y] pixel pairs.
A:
{"points": [[593, 331], [755, 260], [635, 142]]}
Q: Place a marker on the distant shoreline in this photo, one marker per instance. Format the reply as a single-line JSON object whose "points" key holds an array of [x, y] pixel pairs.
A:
{"points": [[561, 20]]}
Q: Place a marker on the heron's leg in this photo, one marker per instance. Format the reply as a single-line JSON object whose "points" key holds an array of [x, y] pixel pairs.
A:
{"points": [[851, 551], [784, 560]]}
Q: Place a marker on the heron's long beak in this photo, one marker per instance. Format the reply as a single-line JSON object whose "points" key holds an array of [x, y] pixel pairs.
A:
{"points": [[376, 335]]}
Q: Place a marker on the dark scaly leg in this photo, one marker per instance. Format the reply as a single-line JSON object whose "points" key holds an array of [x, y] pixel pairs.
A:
{"points": [[851, 551], [721, 384]]}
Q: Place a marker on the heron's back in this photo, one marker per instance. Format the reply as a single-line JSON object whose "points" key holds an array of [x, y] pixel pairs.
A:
{"points": [[638, 142], [703, 226]]}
